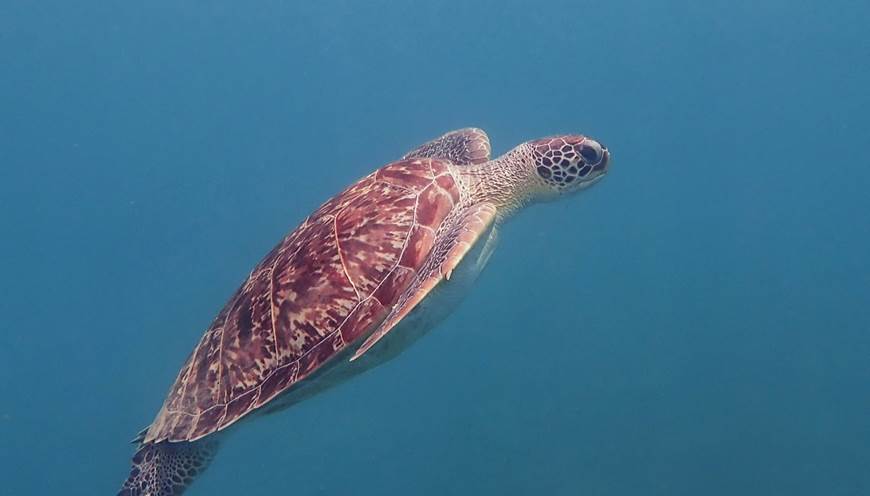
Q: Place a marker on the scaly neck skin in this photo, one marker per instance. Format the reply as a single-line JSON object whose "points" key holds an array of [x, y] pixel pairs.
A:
{"points": [[508, 182]]}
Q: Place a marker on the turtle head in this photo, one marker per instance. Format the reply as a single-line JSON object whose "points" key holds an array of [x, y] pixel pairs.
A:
{"points": [[539, 170], [568, 163]]}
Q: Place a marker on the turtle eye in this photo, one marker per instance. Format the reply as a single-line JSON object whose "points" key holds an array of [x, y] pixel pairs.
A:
{"points": [[591, 154]]}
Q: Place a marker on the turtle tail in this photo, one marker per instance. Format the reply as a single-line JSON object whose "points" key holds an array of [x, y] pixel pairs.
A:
{"points": [[167, 469]]}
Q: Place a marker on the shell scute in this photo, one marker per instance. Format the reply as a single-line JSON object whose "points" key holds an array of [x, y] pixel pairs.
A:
{"points": [[314, 296], [409, 174], [275, 383], [205, 379], [418, 246], [369, 245], [317, 355], [433, 205], [241, 404], [208, 419], [248, 353]]}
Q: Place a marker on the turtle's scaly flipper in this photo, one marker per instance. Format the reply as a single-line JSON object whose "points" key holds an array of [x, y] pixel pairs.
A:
{"points": [[462, 147], [166, 469]]}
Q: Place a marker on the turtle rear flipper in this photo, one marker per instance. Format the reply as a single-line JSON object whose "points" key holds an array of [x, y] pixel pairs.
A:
{"points": [[167, 469], [140, 437]]}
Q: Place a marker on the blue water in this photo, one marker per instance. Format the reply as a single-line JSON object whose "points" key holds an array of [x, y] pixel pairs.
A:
{"points": [[697, 323]]}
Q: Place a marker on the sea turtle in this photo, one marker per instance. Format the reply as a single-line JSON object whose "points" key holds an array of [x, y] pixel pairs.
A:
{"points": [[362, 278]]}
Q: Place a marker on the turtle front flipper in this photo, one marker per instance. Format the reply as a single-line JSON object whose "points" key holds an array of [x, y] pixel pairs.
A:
{"points": [[467, 146], [167, 469], [451, 246]]}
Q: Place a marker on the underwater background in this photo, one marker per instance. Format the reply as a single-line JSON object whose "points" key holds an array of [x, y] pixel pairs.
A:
{"points": [[697, 323]]}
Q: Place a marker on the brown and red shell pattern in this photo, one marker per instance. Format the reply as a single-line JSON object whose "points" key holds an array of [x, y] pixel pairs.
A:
{"points": [[319, 290]]}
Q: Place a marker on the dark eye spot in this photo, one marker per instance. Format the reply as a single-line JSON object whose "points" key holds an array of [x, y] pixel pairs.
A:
{"points": [[544, 172], [589, 154]]}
